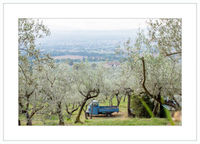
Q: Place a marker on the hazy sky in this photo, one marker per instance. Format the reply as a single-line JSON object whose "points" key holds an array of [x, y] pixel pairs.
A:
{"points": [[94, 24]]}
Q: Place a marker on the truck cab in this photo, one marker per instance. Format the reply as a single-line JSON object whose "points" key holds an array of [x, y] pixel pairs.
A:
{"points": [[95, 106]]}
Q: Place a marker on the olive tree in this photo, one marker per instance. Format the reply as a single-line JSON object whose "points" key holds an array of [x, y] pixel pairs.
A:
{"points": [[116, 91], [89, 82], [30, 98], [127, 84], [56, 86], [72, 101], [113, 85], [30, 65], [154, 73]]}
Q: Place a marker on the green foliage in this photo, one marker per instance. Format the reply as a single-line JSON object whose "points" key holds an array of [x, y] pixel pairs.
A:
{"points": [[162, 113], [71, 62], [93, 66], [139, 108], [30, 65], [147, 107], [167, 33], [155, 59], [76, 66]]}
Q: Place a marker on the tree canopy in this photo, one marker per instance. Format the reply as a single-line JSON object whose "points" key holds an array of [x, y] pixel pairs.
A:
{"points": [[156, 69]]}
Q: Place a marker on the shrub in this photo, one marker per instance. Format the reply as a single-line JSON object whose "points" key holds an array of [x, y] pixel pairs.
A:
{"points": [[138, 109]]}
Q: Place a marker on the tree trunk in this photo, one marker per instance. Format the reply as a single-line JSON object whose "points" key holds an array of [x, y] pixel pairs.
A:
{"points": [[79, 113], [61, 120], [28, 118], [29, 121], [27, 95], [110, 101], [91, 112], [85, 111], [106, 97], [128, 106], [59, 111], [19, 122], [87, 97], [124, 98], [118, 100], [86, 115], [155, 109]]}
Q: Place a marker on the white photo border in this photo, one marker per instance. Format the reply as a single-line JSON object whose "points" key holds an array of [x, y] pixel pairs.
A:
{"points": [[11, 130]]}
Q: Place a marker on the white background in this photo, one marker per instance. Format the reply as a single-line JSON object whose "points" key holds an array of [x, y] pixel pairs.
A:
{"points": [[187, 131]]}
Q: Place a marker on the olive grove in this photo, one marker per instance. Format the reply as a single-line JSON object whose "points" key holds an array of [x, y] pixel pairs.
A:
{"points": [[151, 67]]}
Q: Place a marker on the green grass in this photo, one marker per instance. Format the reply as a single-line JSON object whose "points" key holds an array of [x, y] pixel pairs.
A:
{"points": [[115, 120], [125, 122]]}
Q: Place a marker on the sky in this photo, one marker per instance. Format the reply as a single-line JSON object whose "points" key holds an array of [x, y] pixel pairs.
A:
{"points": [[94, 24]]}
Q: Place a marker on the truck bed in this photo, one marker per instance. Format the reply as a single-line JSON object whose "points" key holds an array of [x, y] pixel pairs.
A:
{"points": [[108, 107], [111, 109]]}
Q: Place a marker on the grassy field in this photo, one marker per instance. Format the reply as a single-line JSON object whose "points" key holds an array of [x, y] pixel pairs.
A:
{"points": [[116, 119]]}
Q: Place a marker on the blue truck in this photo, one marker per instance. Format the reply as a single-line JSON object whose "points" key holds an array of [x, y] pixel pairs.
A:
{"points": [[95, 109]]}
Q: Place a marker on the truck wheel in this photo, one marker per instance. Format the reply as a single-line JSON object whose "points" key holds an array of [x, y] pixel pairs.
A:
{"points": [[108, 114]]}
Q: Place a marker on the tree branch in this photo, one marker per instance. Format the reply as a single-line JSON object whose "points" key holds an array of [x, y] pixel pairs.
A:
{"points": [[173, 53], [32, 114], [82, 93], [169, 103], [24, 73], [144, 79], [26, 50], [97, 91], [47, 94], [52, 82], [67, 110], [28, 95]]}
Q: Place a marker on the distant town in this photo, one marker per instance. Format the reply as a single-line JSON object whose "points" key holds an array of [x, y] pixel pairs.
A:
{"points": [[93, 46]]}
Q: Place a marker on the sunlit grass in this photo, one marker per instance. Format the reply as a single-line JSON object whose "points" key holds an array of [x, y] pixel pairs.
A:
{"points": [[126, 122]]}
